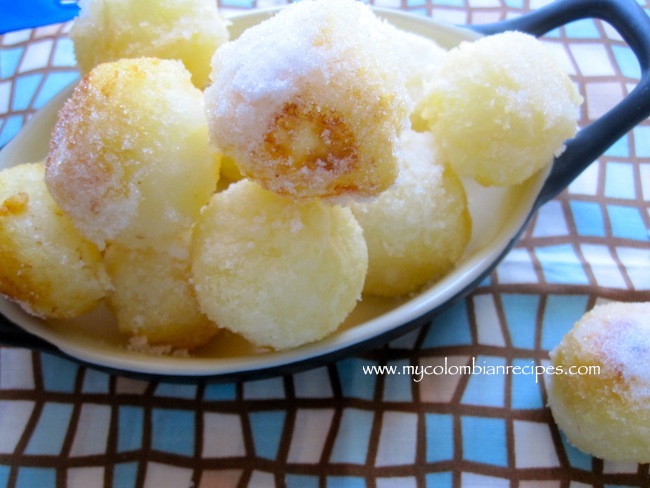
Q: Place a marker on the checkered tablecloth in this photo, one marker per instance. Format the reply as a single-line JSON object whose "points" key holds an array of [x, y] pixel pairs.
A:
{"points": [[63, 424]]}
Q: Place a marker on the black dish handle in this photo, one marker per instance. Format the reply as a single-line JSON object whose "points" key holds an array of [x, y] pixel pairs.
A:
{"points": [[633, 24]]}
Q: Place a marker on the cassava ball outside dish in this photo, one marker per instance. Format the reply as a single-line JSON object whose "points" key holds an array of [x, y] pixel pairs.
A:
{"points": [[605, 412]]}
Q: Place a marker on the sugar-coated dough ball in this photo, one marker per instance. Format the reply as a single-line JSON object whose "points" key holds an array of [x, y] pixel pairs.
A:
{"points": [[280, 272], [310, 103], [129, 159], [419, 58], [46, 266], [188, 30], [605, 413], [501, 108], [153, 299], [418, 228]]}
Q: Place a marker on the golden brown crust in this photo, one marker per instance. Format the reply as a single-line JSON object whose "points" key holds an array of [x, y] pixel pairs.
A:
{"points": [[45, 265], [605, 412], [130, 159], [318, 112]]}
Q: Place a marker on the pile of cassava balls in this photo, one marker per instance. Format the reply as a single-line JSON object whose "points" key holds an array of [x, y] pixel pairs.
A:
{"points": [[339, 143]]}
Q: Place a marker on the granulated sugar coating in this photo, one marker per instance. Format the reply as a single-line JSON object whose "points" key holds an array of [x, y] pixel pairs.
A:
{"points": [[310, 102], [501, 108], [606, 413], [418, 228], [46, 266], [189, 30], [418, 60], [153, 298], [280, 272], [129, 159]]}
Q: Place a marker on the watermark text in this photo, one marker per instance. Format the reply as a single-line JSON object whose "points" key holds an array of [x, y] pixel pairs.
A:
{"points": [[418, 372]]}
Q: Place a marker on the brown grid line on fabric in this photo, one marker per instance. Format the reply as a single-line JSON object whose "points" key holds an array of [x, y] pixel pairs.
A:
{"points": [[112, 440], [584, 263], [421, 439], [198, 434], [72, 427]]}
